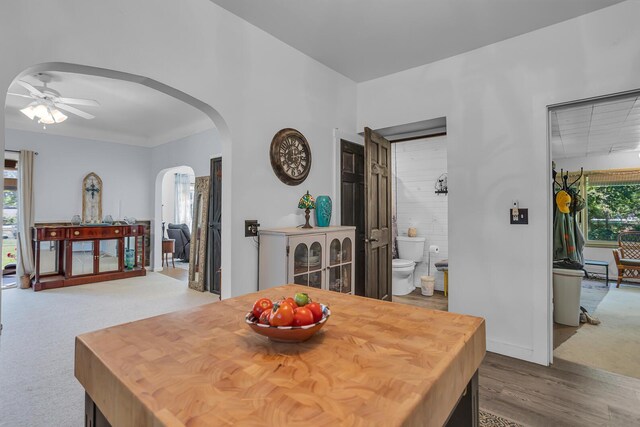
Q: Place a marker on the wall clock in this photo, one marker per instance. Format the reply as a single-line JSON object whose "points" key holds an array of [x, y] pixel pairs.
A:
{"points": [[290, 156]]}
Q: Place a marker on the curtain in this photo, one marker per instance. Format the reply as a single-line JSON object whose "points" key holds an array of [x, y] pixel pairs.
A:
{"points": [[183, 199], [25, 260]]}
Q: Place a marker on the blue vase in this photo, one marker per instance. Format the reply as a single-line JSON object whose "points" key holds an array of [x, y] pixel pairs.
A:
{"points": [[129, 258], [323, 211]]}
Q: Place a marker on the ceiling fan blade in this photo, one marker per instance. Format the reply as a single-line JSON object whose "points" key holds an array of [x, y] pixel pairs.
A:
{"points": [[21, 95], [75, 111], [78, 101], [30, 88]]}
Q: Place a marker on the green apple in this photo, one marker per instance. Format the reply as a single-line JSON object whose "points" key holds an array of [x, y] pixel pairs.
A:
{"points": [[301, 299]]}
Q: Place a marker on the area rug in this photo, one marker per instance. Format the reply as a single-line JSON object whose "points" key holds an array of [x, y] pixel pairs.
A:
{"points": [[487, 419], [37, 385], [614, 345]]}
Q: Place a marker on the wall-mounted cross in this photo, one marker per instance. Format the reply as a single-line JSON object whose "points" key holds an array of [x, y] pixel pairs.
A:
{"points": [[92, 189]]}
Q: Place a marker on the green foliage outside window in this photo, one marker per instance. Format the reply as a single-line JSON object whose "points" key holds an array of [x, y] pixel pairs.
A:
{"points": [[612, 209], [10, 199]]}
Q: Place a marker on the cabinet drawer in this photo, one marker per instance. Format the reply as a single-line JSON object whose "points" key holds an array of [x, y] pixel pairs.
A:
{"points": [[49, 233], [133, 230], [83, 233]]}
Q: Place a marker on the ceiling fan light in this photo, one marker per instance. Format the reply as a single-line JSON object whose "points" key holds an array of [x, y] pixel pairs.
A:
{"points": [[47, 120], [58, 116], [41, 111], [29, 112]]}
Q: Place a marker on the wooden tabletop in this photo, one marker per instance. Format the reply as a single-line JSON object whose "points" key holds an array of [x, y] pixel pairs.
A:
{"points": [[373, 363]]}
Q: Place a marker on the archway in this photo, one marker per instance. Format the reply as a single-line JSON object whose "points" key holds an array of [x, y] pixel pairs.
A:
{"points": [[216, 118]]}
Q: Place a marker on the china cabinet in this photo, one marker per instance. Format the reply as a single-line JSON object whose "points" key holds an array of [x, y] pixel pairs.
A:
{"points": [[67, 256], [321, 258]]}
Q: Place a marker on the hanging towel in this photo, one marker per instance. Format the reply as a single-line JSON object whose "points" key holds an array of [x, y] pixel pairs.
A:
{"points": [[568, 242]]}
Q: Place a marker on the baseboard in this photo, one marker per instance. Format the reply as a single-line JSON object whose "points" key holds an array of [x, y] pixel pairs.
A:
{"points": [[158, 269], [511, 350]]}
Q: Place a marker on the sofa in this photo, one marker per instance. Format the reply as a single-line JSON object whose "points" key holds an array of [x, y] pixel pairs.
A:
{"points": [[182, 235]]}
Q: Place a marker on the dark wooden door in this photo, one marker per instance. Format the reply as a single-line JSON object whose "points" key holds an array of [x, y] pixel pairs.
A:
{"points": [[215, 223], [352, 202], [377, 218]]}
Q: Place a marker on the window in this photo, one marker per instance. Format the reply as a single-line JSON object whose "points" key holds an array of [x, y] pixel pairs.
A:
{"points": [[9, 213], [613, 204]]}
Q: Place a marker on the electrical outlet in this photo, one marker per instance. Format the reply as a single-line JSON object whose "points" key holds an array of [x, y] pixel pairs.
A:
{"points": [[522, 217], [251, 227]]}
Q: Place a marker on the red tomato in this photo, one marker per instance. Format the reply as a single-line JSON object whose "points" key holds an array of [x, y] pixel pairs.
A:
{"points": [[292, 303], [265, 316], [316, 310], [302, 316], [281, 315], [261, 305]]}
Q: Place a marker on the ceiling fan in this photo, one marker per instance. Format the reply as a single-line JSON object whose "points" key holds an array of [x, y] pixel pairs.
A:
{"points": [[47, 102]]}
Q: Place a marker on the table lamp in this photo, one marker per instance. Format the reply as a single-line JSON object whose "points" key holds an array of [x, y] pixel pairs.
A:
{"points": [[307, 203]]}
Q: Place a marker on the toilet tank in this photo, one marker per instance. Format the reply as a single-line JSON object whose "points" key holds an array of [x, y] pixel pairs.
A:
{"points": [[411, 248]]}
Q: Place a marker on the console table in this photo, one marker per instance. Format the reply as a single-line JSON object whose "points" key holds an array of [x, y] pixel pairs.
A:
{"points": [[76, 255]]}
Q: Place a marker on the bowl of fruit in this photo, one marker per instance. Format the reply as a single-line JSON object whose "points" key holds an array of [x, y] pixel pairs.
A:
{"points": [[289, 319]]}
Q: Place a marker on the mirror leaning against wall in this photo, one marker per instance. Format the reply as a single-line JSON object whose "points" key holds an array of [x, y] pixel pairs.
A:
{"points": [[197, 259]]}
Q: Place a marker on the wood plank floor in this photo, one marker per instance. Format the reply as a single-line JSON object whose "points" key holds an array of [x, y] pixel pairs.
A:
{"points": [[563, 394], [177, 273], [436, 302]]}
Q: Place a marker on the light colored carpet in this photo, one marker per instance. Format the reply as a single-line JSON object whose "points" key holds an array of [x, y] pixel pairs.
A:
{"points": [[37, 385], [614, 345]]}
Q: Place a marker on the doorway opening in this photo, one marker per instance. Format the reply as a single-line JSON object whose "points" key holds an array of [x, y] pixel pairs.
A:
{"points": [[177, 217], [595, 147], [420, 212], [404, 169]]}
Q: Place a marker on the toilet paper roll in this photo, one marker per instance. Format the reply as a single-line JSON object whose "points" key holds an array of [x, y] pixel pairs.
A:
{"points": [[434, 249]]}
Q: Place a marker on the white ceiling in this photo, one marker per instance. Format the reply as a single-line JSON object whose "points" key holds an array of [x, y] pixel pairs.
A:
{"points": [[129, 113], [596, 128], [366, 39]]}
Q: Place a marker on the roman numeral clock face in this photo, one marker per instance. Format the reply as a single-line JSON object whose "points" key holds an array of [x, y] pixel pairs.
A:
{"points": [[290, 156]]}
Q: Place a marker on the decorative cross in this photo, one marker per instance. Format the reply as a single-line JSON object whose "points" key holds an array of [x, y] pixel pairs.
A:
{"points": [[92, 189]]}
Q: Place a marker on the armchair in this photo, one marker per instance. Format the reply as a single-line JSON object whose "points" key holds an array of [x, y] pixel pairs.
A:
{"points": [[181, 234], [627, 255]]}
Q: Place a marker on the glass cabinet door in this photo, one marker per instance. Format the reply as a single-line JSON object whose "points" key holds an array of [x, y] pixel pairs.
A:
{"points": [[82, 257], [340, 262], [308, 262], [109, 255], [49, 257]]}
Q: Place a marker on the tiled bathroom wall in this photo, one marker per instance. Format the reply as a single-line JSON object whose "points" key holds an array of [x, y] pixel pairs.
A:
{"points": [[416, 168]]}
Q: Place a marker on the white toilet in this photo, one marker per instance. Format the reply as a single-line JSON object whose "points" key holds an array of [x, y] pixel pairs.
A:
{"points": [[410, 251]]}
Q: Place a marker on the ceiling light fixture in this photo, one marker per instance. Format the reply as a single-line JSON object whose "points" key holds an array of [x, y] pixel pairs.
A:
{"points": [[46, 114]]}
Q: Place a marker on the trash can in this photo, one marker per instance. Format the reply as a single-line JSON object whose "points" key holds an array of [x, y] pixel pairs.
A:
{"points": [[567, 285], [427, 284]]}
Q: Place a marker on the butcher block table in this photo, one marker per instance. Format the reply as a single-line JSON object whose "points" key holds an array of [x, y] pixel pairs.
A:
{"points": [[373, 363]]}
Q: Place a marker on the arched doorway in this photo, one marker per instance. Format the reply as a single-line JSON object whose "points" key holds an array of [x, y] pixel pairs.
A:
{"points": [[218, 121]]}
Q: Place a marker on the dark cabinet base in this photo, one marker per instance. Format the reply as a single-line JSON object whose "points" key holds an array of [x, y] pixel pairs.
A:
{"points": [[58, 281], [465, 414], [92, 415]]}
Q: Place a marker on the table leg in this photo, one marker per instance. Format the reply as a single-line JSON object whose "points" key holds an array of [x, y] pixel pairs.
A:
{"points": [[467, 411], [92, 415], [607, 274], [173, 260]]}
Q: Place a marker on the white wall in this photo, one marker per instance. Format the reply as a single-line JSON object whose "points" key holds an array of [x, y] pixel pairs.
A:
{"points": [[620, 160], [495, 102], [416, 167], [63, 162], [169, 192], [254, 83]]}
